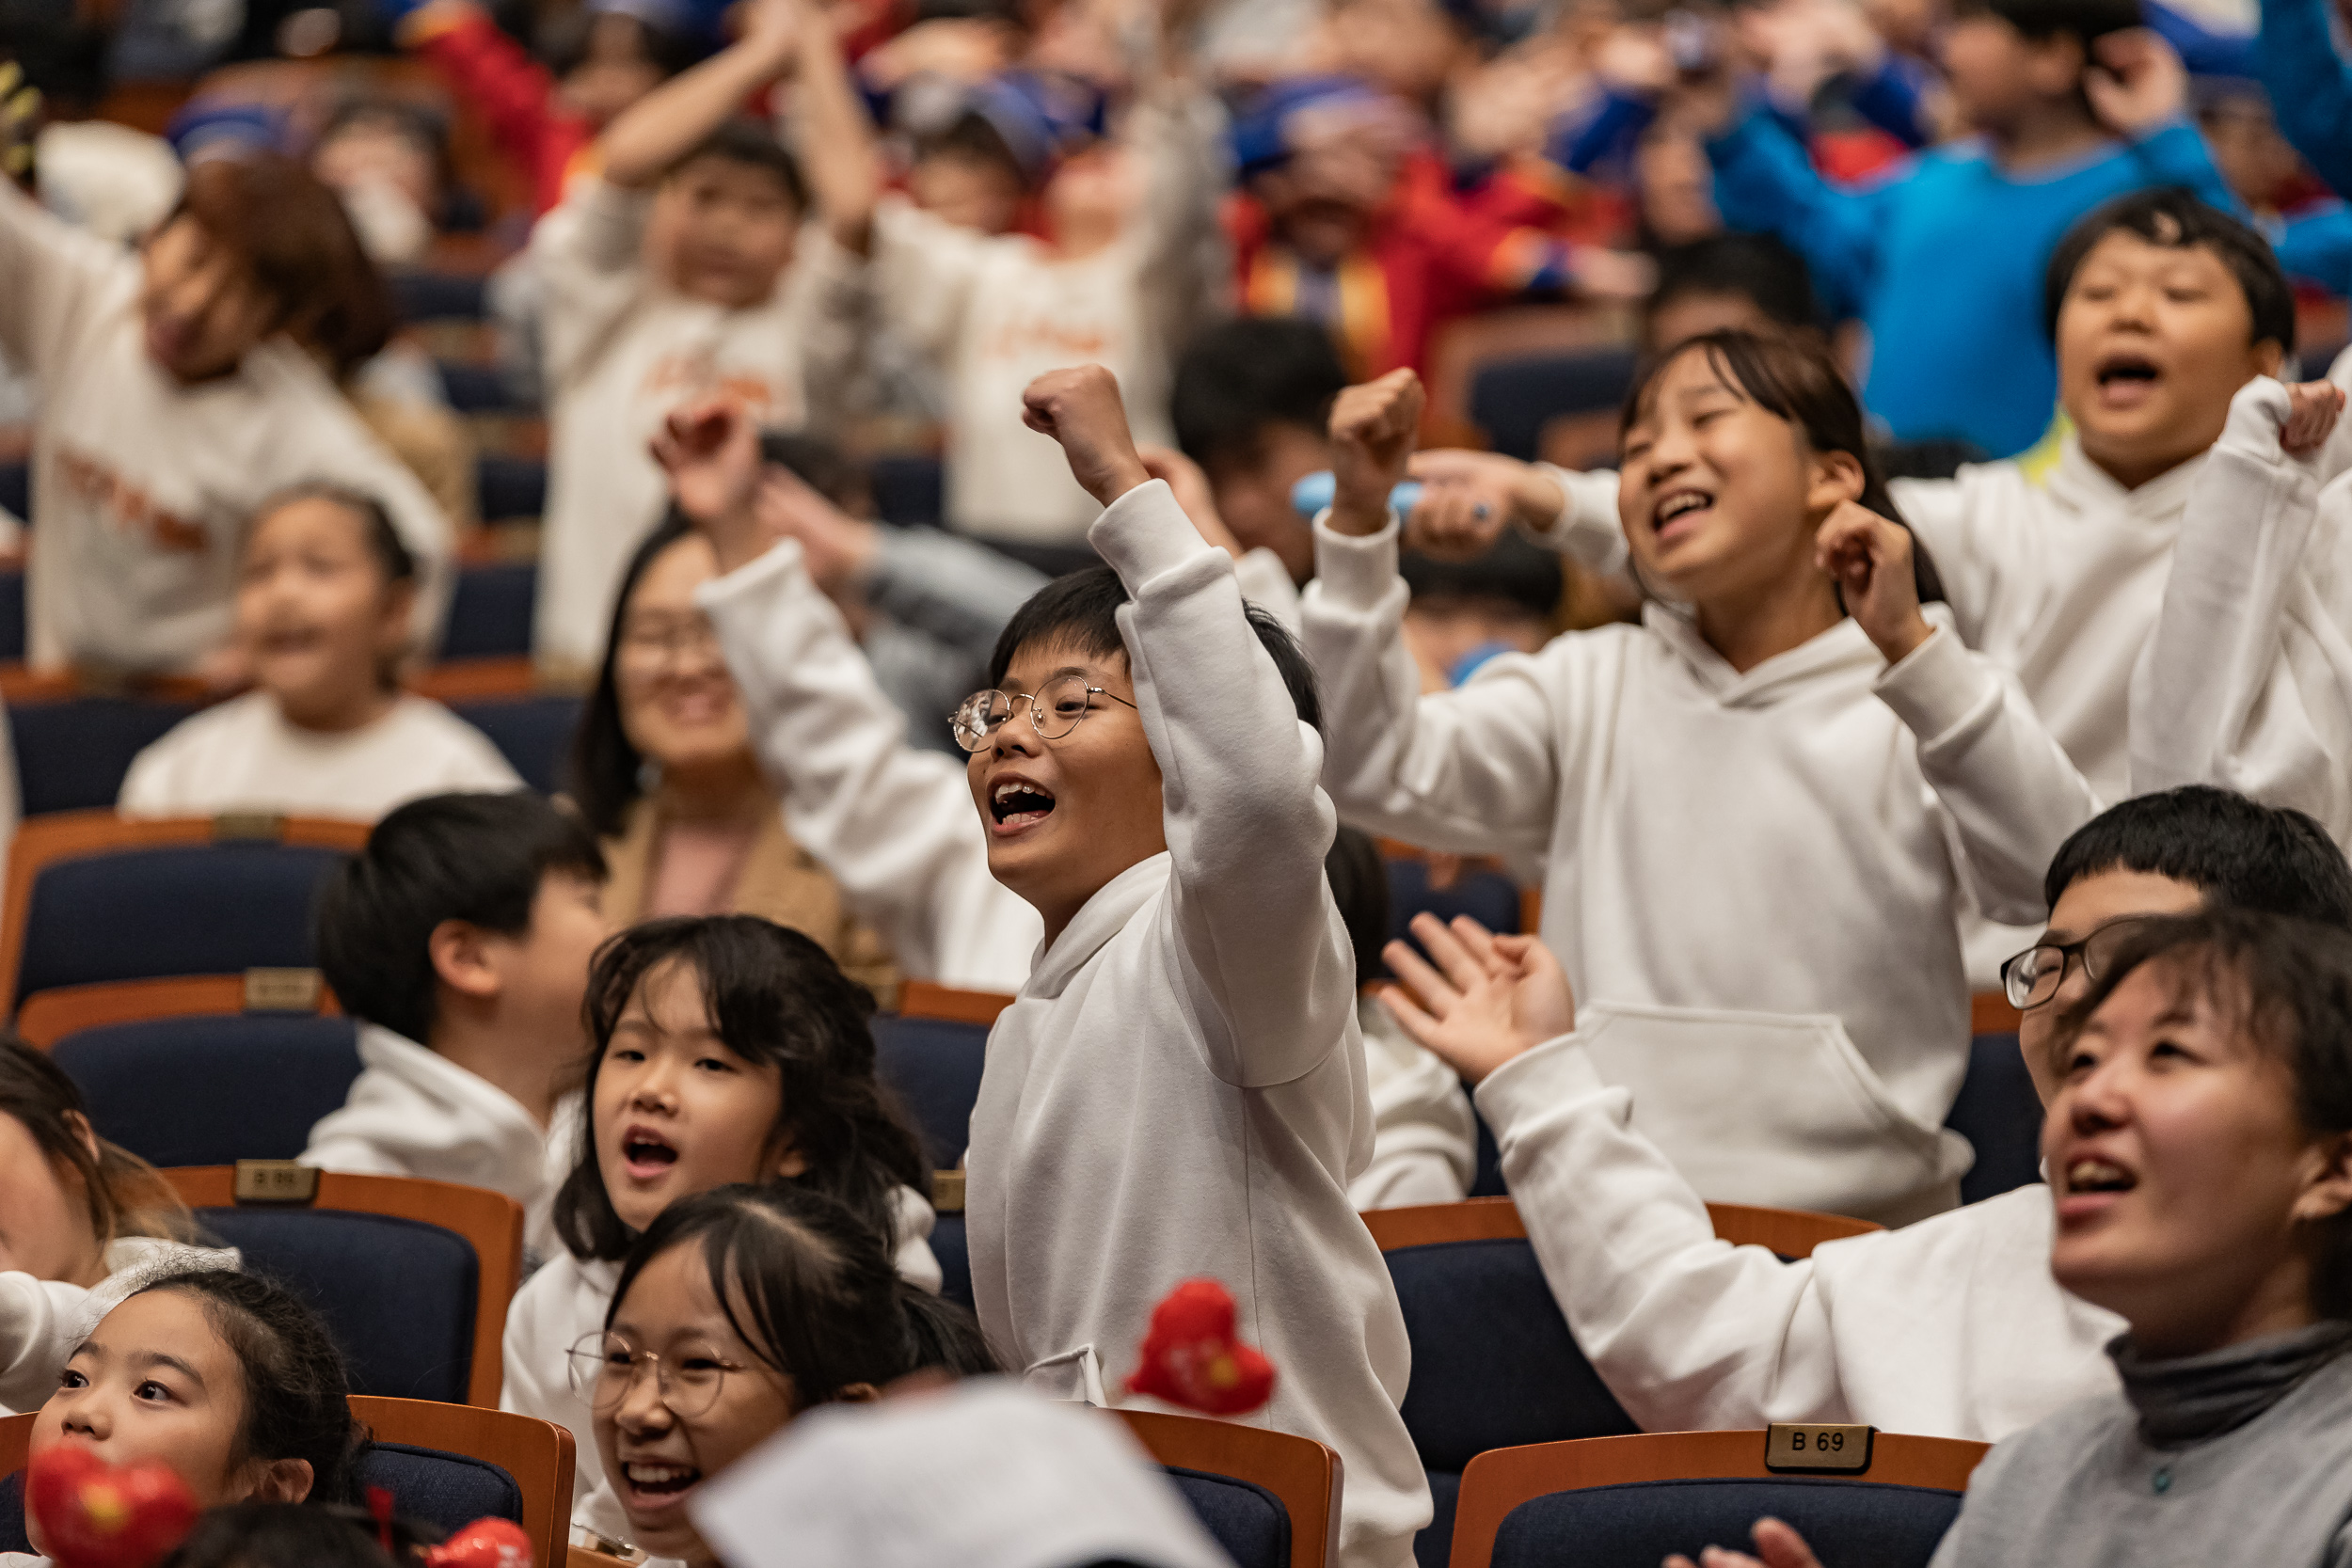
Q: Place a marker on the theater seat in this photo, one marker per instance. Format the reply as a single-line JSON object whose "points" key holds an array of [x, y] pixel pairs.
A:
{"points": [[952, 1248], [438, 296], [1636, 1526], [211, 1091], [506, 487], [446, 1489], [1513, 399], [489, 616], [72, 753], [2000, 1116], [933, 1066], [1270, 1499], [1247, 1521], [12, 616], [908, 488], [1488, 898], [532, 733]]}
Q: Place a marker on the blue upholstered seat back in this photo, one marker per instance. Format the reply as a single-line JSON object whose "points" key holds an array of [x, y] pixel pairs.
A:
{"points": [[1636, 1526], [448, 1491], [196, 908], [1245, 1520], [933, 1066], [2000, 1116], [397, 1294], [71, 754], [211, 1091], [532, 733]]}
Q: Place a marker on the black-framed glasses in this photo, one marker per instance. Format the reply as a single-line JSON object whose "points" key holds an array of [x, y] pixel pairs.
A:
{"points": [[605, 1366], [1055, 710], [2033, 977]]}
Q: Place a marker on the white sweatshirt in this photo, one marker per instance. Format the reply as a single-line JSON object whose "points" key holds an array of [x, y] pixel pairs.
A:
{"points": [[566, 1301], [2247, 678], [623, 350], [412, 1112], [42, 1321], [997, 311], [1749, 878], [243, 755], [1951, 1327], [894, 822], [142, 487], [1179, 1090]]}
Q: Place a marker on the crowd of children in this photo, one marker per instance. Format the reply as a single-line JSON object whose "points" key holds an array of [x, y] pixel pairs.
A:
{"points": [[1840, 509]]}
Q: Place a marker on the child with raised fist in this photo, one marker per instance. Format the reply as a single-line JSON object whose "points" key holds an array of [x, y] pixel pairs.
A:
{"points": [[1755, 808]]}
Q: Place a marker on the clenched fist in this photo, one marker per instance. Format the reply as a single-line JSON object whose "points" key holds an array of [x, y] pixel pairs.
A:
{"points": [[1372, 444], [1081, 409], [1870, 560]]}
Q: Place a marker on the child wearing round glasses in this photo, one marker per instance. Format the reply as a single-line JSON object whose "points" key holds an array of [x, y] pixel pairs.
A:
{"points": [[736, 1312]]}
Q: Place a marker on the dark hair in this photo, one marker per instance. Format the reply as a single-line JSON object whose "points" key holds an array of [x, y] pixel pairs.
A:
{"points": [[124, 1194], [2288, 983], [2244, 856], [2086, 21], [970, 136], [812, 1289], [290, 232], [1795, 379], [425, 128], [564, 40], [604, 775], [1359, 886], [297, 1395], [299, 1535], [1243, 375], [776, 1000], [750, 143], [821, 466], [475, 858], [1754, 267], [2178, 221], [383, 539], [1080, 611]]}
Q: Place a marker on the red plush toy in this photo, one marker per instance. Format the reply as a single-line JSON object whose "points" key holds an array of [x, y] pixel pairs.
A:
{"points": [[483, 1544], [1191, 1357], [93, 1514]]}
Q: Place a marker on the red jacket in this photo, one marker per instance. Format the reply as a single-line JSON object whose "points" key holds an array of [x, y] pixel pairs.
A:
{"points": [[513, 92]]}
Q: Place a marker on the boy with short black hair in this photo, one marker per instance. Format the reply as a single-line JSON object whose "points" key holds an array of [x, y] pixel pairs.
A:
{"points": [[1949, 1327], [1179, 1089], [686, 263], [459, 938], [2075, 103], [1750, 281], [1251, 405]]}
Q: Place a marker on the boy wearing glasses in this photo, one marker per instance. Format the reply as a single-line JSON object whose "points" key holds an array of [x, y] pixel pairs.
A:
{"points": [[1950, 1327], [1179, 1090]]}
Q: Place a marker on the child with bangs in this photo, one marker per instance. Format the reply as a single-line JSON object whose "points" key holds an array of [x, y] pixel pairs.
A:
{"points": [[1795, 712], [688, 262], [2199, 1151], [182, 386], [725, 1050], [325, 593]]}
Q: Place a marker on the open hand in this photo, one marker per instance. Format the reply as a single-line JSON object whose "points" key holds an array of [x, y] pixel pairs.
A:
{"points": [[1081, 409], [710, 449], [1488, 999], [2312, 409], [1776, 1546], [1870, 559], [2136, 83], [1468, 498], [1372, 427]]}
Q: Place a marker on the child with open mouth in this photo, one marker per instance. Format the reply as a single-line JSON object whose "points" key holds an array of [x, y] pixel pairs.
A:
{"points": [[727, 1050]]}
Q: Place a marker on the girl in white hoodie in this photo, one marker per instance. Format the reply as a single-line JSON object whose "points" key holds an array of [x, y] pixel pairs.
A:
{"points": [[1755, 809], [726, 1049], [82, 1225]]}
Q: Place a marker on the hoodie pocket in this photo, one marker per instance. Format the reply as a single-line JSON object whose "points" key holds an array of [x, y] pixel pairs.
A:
{"points": [[1774, 1109]]}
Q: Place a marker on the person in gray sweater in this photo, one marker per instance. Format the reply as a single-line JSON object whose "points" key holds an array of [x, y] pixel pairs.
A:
{"points": [[2200, 1152]]}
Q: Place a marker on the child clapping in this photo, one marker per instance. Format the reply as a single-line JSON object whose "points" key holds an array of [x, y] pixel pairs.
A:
{"points": [[1755, 809], [326, 589]]}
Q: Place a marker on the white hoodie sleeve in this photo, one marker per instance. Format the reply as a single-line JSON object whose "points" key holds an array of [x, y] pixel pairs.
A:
{"points": [[894, 823], [1472, 770], [2247, 680], [2009, 788], [586, 253], [51, 276], [1689, 1332], [39, 1322], [1588, 530], [1269, 959]]}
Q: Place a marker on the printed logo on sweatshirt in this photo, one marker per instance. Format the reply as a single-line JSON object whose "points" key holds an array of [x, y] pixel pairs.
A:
{"points": [[1040, 336], [131, 509], [692, 373]]}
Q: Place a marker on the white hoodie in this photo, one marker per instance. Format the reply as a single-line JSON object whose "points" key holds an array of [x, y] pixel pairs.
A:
{"points": [[2248, 679], [566, 1300], [1750, 878], [893, 822], [1951, 1327], [1179, 1090], [413, 1111], [143, 487], [41, 1320]]}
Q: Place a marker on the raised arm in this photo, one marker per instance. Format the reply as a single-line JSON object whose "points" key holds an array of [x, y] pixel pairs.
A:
{"points": [[2295, 56], [2010, 791], [1472, 770], [893, 823], [659, 128], [835, 140], [51, 275], [2247, 680], [1764, 180], [1264, 951]]}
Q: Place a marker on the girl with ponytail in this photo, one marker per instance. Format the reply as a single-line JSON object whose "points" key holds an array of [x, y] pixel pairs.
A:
{"points": [[736, 1311]]}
